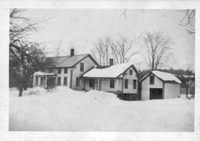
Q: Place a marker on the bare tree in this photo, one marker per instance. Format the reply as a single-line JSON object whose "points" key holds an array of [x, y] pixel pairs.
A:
{"points": [[102, 51], [19, 47], [188, 20], [122, 50], [158, 48], [57, 50]]}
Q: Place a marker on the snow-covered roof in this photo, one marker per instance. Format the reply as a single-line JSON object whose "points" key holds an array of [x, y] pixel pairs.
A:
{"points": [[164, 76], [43, 73], [110, 72], [69, 61]]}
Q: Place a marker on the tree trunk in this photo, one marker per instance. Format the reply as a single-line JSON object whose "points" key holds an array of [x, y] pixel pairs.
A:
{"points": [[20, 91]]}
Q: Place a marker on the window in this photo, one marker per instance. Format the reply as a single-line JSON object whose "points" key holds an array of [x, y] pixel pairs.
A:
{"points": [[126, 83], [130, 72], [65, 81], [59, 70], [91, 83], [151, 79], [134, 84], [82, 67], [65, 70], [41, 81], [36, 80], [112, 83], [59, 81], [77, 82]]}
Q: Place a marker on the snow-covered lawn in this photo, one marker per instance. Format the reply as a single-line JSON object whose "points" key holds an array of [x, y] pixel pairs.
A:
{"points": [[64, 109]]}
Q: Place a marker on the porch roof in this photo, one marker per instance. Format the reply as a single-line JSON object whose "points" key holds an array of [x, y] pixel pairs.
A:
{"points": [[39, 73], [110, 72]]}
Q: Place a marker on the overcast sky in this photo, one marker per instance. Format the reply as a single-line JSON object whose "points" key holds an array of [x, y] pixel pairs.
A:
{"points": [[80, 28]]}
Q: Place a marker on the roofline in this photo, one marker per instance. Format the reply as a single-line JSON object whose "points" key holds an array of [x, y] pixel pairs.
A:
{"points": [[158, 78], [88, 55], [137, 74]]}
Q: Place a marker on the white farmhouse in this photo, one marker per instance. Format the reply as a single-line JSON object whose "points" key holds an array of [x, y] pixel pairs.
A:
{"points": [[65, 71], [159, 85], [121, 79]]}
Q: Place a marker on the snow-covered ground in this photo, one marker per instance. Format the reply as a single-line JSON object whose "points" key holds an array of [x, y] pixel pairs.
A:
{"points": [[63, 109]]}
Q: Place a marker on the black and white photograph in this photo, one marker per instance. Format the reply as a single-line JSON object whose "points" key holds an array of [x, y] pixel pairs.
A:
{"points": [[99, 70], [102, 70]]}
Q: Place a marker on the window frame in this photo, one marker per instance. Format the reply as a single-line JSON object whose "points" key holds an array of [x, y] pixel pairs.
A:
{"points": [[126, 83], [82, 67], [77, 82], [65, 82], [59, 70], [151, 79], [65, 70], [59, 81], [134, 84], [91, 83], [130, 72], [112, 83]]}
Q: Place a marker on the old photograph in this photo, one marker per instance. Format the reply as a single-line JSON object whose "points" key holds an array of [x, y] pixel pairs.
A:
{"points": [[121, 70]]}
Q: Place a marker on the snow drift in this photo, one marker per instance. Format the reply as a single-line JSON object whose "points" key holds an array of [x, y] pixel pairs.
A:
{"points": [[64, 109]]}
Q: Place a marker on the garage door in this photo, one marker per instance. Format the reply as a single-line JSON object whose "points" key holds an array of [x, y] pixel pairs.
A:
{"points": [[156, 93]]}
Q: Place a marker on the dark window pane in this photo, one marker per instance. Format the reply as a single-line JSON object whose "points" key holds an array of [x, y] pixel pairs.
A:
{"points": [[82, 67], [151, 79], [65, 81], [134, 84], [126, 83], [130, 72], [112, 83], [59, 81], [59, 70], [65, 70], [77, 82]]}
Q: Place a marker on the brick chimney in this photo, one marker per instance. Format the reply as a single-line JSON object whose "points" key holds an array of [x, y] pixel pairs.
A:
{"points": [[72, 52], [111, 61]]}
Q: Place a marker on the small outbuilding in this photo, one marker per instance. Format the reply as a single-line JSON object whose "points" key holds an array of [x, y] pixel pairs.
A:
{"points": [[159, 85]]}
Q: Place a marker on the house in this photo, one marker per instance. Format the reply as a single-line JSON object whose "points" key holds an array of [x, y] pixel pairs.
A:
{"points": [[65, 71], [159, 85], [121, 79]]}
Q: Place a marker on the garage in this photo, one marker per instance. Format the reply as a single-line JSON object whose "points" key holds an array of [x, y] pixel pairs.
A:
{"points": [[159, 85], [156, 93]]}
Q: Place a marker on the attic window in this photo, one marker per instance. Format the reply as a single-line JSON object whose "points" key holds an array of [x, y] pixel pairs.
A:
{"points": [[81, 67], [151, 79], [130, 72]]}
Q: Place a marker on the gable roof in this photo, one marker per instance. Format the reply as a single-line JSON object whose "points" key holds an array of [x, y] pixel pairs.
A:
{"points": [[69, 61], [109, 72], [167, 77]]}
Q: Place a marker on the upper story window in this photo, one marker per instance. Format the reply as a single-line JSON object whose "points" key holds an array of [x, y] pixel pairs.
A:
{"points": [[151, 79], [59, 70], [112, 83], [126, 84], [65, 70], [130, 72], [81, 67]]}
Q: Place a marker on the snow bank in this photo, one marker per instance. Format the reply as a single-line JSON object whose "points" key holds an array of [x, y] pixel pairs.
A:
{"points": [[64, 109], [101, 96], [34, 91]]}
